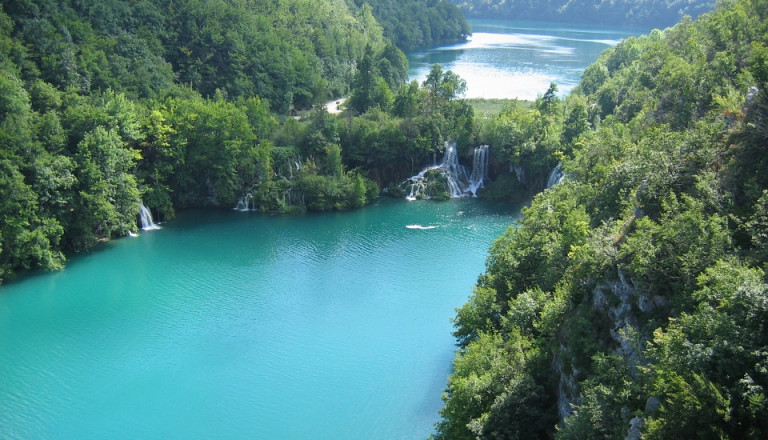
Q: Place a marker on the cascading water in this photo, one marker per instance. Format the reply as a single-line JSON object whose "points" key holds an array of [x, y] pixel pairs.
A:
{"points": [[455, 174], [479, 169], [556, 176], [452, 175], [245, 203], [296, 164], [422, 185], [145, 218]]}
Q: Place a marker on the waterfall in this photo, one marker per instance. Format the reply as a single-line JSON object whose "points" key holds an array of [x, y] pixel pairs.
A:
{"points": [[479, 169], [455, 173], [448, 170], [556, 176], [452, 173], [145, 218], [418, 184], [245, 203]]}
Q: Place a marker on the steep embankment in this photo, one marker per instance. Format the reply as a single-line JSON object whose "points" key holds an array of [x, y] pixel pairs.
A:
{"points": [[414, 24], [632, 299]]}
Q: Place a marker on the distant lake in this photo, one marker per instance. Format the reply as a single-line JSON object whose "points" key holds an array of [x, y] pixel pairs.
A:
{"points": [[519, 59]]}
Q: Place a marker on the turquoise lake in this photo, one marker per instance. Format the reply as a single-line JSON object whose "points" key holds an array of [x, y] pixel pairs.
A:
{"points": [[519, 59], [228, 324]]}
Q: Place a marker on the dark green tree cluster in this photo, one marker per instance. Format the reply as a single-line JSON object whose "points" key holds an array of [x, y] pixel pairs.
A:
{"points": [[415, 24], [632, 299], [293, 53], [655, 13]]}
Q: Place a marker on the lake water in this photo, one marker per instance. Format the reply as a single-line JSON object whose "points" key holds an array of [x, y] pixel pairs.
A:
{"points": [[226, 324], [519, 59]]}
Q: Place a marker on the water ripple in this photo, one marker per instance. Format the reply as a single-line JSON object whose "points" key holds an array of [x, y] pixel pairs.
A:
{"points": [[240, 325]]}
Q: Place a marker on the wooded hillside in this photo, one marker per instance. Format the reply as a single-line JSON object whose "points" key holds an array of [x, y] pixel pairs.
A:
{"points": [[414, 24], [632, 299]]}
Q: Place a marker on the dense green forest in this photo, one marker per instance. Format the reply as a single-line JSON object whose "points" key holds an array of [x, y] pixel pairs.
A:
{"points": [[108, 105], [414, 24], [650, 13], [632, 299]]}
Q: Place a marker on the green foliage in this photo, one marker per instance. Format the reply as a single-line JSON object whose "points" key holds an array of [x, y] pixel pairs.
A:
{"points": [[372, 85], [108, 197], [31, 181], [669, 254], [493, 391], [414, 24], [605, 399], [213, 138], [525, 138], [536, 254], [29, 241], [710, 362], [392, 138], [294, 53]]}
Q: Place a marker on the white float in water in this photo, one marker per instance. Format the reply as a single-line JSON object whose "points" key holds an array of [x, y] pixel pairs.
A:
{"points": [[420, 227]]}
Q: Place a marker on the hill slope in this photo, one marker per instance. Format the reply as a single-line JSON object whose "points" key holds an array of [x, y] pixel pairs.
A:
{"points": [[290, 52], [417, 23], [632, 299]]}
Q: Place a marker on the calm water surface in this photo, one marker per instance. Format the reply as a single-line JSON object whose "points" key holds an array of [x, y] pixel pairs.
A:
{"points": [[235, 325], [519, 59]]}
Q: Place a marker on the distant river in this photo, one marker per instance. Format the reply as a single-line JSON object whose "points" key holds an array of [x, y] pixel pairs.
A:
{"points": [[229, 325], [519, 59]]}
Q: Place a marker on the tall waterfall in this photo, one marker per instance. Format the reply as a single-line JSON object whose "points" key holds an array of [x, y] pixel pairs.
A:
{"points": [[479, 169], [452, 173], [145, 218], [556, 176]]}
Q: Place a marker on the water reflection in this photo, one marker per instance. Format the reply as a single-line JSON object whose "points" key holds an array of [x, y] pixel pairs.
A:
{"points": [[513, 59]]}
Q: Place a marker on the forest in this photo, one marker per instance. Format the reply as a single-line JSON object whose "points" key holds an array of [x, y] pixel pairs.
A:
{"points": [[646, 13], [107, 106], [631, 301], [417, 24]]}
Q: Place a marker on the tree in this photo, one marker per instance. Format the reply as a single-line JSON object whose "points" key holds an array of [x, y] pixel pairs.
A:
{"points": [[27, 240], [108, 196], [441, 88], [363, 85], [576, 120], [215, 137]]}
